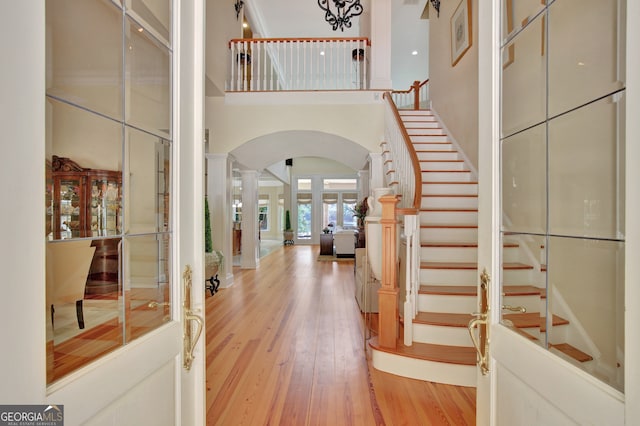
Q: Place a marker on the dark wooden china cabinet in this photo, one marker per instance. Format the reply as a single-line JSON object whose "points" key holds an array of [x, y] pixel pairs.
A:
{"points": [[87, 203]]}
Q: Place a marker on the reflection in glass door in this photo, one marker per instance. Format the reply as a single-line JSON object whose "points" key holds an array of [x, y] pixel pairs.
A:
{"points": [[562, 151]]}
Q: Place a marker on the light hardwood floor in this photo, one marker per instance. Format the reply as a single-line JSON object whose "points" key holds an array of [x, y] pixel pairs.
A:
{"points": [[285, 347]]}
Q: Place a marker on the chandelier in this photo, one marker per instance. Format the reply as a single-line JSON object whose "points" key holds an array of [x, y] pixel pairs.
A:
{"points": [[338, 13]]}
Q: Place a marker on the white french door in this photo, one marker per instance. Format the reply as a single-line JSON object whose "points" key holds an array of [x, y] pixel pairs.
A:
{"points": [[143, 382], [525, 383]]}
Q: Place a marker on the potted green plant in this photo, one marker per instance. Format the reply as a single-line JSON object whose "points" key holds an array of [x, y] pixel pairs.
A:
{"points": [[360, 212], [288, 231]]}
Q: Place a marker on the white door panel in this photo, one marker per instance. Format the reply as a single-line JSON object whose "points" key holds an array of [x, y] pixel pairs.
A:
{"points": [[143, 382]]}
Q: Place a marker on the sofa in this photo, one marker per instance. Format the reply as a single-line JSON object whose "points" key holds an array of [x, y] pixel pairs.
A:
{"points": [[366, 286], [344, 241]]}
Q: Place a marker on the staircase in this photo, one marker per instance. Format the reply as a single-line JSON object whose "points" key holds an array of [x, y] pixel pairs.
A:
{"points": [[442, 350]]}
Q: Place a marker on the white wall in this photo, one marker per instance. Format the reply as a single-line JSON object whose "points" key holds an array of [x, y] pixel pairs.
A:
{"points": [[454, 90], [361, 121]]}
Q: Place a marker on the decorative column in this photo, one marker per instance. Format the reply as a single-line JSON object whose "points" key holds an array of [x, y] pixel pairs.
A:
{"points": [[363, 177], [388, 292], [380, 64], [219, 180], [376, 169], [250, 257]]}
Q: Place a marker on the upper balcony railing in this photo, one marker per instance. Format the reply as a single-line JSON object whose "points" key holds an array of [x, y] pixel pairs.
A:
{"points": [[281, 64]]}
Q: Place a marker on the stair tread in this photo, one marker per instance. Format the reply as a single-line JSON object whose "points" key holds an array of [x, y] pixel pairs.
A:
{"points": [[431, 182], [572, 351], [456, 244], [470, 265], [459, 243], [429, 352], [449, 225], [472, 290], [448, 265], [533, 319], [450, 195], [444, 171], [447, 209], [446, 319]]}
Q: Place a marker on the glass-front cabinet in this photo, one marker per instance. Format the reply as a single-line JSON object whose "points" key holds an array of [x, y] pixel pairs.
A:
{"points": [[83, 202]]}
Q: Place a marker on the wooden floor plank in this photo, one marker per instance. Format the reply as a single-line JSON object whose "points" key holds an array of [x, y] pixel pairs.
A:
{"points": [[285, 346]]}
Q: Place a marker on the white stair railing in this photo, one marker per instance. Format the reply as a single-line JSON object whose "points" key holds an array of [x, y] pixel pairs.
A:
{"points": [[298, 64], [408, 176]]}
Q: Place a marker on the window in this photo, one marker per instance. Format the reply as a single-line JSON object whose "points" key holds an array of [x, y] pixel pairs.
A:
{"points": [[339, 184], [305, 200], [329, 209]]}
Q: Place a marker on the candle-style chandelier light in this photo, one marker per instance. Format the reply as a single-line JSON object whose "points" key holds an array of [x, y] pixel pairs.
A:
{"points": [[338, 13]]}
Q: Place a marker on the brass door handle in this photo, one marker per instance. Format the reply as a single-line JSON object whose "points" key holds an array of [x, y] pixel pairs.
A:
{"points": [[189, 341], [482, 352], [514, 308], [481, 322]]}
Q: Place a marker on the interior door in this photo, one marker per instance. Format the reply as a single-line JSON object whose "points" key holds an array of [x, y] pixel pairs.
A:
{"points": [[145, 381]]}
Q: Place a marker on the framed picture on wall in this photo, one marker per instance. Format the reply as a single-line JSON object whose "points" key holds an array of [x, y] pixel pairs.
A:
{"points": [[460, 31]]}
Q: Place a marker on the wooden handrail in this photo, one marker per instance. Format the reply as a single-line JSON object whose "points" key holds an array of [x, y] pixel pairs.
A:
{"points": [[415, 88], [292, 39], [417, 196]]}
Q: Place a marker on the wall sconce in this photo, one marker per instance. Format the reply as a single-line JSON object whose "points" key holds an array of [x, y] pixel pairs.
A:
{"points": [[436, 6], [238, 7], [343, 11]]}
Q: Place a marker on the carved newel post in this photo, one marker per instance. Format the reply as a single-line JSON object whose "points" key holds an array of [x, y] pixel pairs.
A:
{"points": [[388, 292]]}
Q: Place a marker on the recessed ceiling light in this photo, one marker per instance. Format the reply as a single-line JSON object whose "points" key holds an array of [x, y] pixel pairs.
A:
{"points": [[140, 30], [322, 53], [245, 25], [414, 53]]}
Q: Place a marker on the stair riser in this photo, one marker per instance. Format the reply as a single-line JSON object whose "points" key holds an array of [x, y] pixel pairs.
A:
{"points": [[560, 333], [433, 146], [445, 176], [444, 218], [439, 155], [533, 331], [448, 234], [417, 115], [448, 276], [440, 335], [432, 126], [449, 202], [510, 254], [420, 136], [428, 166], [450, 189], [449, 254], [439, 372], [447, 304], [517, 276]]}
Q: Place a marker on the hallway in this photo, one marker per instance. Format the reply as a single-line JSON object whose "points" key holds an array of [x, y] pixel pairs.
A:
{"points": [[285, 347]]}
